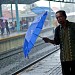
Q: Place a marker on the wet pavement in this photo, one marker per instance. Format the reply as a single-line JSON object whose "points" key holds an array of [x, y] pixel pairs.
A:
{"points": [[48, 66]]}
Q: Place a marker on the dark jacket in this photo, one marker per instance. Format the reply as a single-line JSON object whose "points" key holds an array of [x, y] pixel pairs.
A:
{"points": [[66, 39]]}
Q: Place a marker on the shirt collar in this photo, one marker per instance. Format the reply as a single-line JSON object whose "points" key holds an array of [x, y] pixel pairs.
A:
{"points": [[67, 22]]}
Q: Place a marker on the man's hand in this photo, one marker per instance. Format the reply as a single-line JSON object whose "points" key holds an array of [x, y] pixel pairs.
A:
{"points": [[47, 40]]}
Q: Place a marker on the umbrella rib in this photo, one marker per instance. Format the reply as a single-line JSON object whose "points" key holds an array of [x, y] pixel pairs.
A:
{"points": [[39, 27], [37, 35], [32, 43]]}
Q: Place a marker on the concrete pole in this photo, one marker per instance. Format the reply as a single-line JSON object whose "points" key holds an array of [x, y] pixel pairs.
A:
{"points": [[50, 15], [0, 10], [12, 13], [17, 16]]}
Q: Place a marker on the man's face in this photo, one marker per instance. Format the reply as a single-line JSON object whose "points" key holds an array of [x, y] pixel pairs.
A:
{"points": [[60, 18]]}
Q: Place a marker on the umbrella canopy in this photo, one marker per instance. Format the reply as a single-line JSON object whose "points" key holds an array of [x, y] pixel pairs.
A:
{"points": [[33, 32], [39, 10], [3, 18]]}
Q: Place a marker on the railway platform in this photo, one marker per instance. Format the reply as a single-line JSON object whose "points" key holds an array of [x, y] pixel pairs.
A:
{"points": [[48, 66]]}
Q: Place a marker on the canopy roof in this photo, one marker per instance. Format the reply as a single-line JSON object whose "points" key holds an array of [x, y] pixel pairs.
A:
{"points": [[19, 1], [31, 1], [65, 1], [39, 10]]}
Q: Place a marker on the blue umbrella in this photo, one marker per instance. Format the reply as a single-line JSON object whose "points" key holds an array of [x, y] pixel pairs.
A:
{"points": [[33, 32]]}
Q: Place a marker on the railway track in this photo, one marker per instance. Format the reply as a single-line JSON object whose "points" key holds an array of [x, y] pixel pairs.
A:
{"points": [[34, 62], [15, 61]]}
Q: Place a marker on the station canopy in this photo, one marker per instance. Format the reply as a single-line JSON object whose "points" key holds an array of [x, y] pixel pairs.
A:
{"points": [[18, 1], [39, 10], [31, 1], [66, 1]]}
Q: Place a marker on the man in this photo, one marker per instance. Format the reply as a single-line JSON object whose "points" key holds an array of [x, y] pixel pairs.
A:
{"points": [[7, 27], [65, 37], [2, 26]]}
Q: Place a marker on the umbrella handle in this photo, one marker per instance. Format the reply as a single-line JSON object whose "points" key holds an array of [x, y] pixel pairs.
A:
{"points": [[28, 56], [37, 35]]}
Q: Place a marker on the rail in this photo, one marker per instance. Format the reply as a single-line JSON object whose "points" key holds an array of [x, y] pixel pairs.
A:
{"points": [[34, 62]]}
